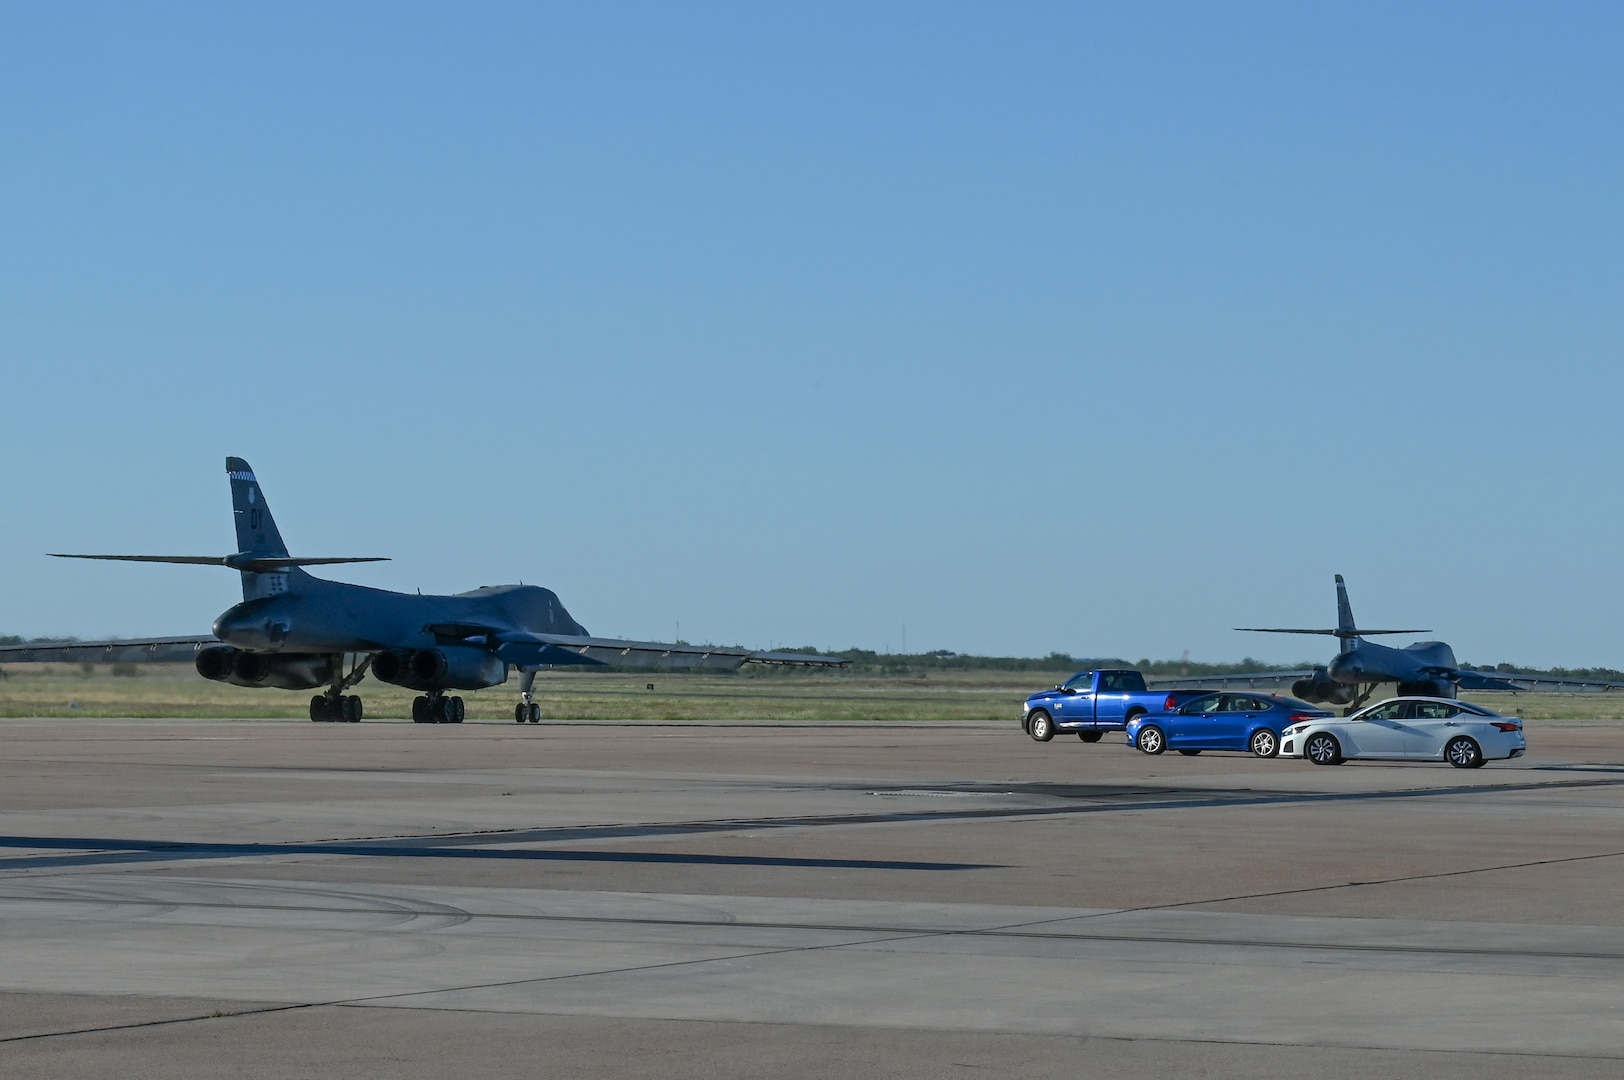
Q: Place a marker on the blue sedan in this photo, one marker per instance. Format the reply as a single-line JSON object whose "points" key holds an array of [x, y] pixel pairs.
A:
{"points": [[1226, 721]]}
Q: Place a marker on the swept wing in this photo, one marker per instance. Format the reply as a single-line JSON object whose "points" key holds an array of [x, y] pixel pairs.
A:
{"points": [[528, 649], [170, 650]]}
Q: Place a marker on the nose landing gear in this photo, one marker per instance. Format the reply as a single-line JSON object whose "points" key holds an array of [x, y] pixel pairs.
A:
{"points": [[527, 709]]}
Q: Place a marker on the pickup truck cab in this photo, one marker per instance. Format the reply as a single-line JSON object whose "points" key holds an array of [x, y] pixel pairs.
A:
{"points": [[1094, 702]]}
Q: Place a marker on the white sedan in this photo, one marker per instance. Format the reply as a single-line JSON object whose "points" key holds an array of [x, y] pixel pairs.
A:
{"points": [[1417, 728]]}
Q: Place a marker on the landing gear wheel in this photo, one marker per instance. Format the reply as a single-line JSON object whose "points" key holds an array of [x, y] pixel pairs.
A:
{"points": [[1089, 736], [1190, 753], [535, 713], [1323, 749], [350, 709], [448, 710], [1040, 726], [318, 709], [420, 711], [521, 712], [1151, 740], [1463, 753], [1265, 744]]}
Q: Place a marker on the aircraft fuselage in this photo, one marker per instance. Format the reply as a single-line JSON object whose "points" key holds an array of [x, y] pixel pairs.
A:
{"points": [[319, 616]]}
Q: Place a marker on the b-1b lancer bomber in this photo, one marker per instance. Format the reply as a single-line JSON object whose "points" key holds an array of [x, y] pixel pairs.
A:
{"points": [[1425, 668], [294, 631]]}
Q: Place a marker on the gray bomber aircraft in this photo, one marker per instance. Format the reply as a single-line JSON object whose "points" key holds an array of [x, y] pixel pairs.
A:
{"points": [[293, 631], [1426, 668]]}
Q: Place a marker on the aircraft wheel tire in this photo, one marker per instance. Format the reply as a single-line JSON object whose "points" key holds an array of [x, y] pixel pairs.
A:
{"points": [[449, 710], [535, 713], [351, 709], [1151, 740], [420, 711], [520, 713], [1040, 726], [1464, 753], [318, 710], [1323, 749], [1264, 743], [1089, 736]]}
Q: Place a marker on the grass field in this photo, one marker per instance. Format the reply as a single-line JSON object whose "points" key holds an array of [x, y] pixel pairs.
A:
{"points": [[752, 696]]}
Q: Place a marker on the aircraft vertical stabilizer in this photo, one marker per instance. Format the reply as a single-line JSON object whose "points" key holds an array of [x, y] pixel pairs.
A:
{"points": [[256, 529], [1347, 629]]}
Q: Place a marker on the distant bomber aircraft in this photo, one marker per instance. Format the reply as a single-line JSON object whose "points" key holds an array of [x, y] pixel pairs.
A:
{"points": [[1426, 668], [294, 631]]}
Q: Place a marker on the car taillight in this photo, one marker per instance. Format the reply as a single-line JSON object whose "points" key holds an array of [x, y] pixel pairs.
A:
{"points": [[1298, 718], [1506, 727], [1171, 703]]}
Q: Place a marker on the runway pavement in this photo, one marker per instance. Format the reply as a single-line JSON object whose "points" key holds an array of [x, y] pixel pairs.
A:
{"points": [[279, 899]]}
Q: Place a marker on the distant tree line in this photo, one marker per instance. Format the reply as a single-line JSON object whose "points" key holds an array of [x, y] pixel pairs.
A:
{"points": [[867, 661]]}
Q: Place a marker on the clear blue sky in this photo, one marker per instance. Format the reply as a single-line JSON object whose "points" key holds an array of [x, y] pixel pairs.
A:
{"points": [[1097, 328]]}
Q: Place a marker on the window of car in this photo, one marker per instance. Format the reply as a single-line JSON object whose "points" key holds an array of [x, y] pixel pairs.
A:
{"points": [[1083, 680], [1432, 710], [1388, 710], [1203, 704]]}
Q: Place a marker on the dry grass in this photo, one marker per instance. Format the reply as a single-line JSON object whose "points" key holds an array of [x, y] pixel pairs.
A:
{"points": [[173, 691], [753, 696]]}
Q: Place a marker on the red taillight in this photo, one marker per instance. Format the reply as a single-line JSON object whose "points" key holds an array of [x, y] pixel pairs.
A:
{"points": [[1506, 727], [1297, 718], [1171, 703]]}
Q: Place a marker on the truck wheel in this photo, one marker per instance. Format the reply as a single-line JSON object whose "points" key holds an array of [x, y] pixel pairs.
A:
{"points": [[1089, 736], [1040, 726], [1151, 740]]}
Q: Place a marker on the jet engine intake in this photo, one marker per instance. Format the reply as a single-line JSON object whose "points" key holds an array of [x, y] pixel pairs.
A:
{"points": [[444, 668], [284, 671]]}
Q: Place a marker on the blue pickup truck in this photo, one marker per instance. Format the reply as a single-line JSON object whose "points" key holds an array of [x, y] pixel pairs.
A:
{"points": [[1094, 702]]}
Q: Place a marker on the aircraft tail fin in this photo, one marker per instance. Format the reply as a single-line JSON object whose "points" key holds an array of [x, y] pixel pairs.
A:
{"points": [[1347, 631], [1344, 610], [257, 533]]}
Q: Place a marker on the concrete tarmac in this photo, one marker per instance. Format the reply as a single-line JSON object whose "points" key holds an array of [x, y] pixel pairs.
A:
{"points": [[278, 899]]}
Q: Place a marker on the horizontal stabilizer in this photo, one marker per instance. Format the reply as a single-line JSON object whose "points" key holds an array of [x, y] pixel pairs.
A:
{"points": [[1351, 632], [258, 564]]}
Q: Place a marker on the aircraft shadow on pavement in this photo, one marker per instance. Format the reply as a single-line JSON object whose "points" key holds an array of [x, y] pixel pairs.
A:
{"points": [[101, 851]]}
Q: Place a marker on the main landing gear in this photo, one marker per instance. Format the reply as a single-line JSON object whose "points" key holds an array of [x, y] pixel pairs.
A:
{"points": [[527, 709], [335, 706], [343, 708], [437, 708], [1359, 699]]}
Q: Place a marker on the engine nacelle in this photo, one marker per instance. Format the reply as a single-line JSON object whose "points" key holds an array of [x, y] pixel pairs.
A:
{"points": [[1427, 688], [284, 671], [1320, 687], [458, 667]]}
